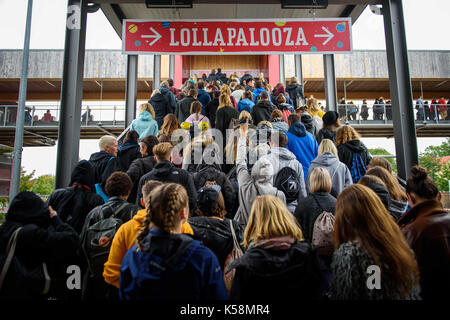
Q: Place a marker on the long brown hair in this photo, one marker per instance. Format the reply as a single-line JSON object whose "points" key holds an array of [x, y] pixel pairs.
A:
{"points": [[169, 125], [390, 181], [361, 216], [345, 134], [163, 207]]}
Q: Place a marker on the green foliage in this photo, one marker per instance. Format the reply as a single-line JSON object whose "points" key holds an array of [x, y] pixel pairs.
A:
{"points": [[26, 180], [430, 159], [384, 152], [44, 185]]}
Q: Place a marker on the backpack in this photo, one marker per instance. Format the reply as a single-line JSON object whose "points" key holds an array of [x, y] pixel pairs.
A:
{"points": [[98, 237], [234, 254], [288, 181], [16, 282], [318, 123], [358, 168], [322, 236]]}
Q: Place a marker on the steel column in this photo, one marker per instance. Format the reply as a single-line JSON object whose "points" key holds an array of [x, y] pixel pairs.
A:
{"points": [[156, 71], [298, 68], [400, 87], [171, 66], [20, 118], [71, 90], [131, 89], [282, 73], [330, 82]]}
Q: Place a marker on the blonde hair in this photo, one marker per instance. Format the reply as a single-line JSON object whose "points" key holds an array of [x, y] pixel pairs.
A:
{"points": [[320, 180], [312, 105], [294, 80], [269, 218], [224, 101], [165, 83], [345, 134], [245, 115], [155, 92], [328, 146], [147, 107], [269, 124], [106, 141], [225, 90], [163, 150]]}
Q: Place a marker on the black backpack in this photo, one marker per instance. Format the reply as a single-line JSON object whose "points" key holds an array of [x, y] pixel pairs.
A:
{"points": [[288, 181]]}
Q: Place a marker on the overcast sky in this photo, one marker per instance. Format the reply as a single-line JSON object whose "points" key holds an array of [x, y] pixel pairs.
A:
{"points": [[426, 22]]}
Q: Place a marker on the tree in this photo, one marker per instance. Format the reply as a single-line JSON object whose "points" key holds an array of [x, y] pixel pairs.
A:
{"points": [[384, 152], [44, 185], [26, 180], [431, 160]]}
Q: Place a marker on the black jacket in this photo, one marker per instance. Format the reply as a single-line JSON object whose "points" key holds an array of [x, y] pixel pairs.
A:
{"points": [[73, 203], [104, 165], [216, 235], [165, 171], [182, 110], [137, 169], [42, 239], [293, 90], [160, 104], [346, 150], [211, 110], [267, 275], [262, 111], [310, 208], [128, 153], [211, 173], [325, 133], [223, 118]]}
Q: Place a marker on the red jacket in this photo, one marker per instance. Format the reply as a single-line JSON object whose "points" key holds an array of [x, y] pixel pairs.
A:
{"points": [[442, 105]]}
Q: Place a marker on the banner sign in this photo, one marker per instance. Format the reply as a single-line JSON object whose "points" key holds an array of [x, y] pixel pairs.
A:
{"points": [[202, 37]]}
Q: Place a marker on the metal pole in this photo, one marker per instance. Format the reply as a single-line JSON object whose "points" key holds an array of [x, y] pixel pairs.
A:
{"points": [[330, 82], [156, 71], [282, 73], [131, 89], [298, 68], [400, 87], [171, 66], [18, 139]]}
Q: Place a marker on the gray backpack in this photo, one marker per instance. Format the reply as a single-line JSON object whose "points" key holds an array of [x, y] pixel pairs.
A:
{"points": [[322, 237], [98, 238]]}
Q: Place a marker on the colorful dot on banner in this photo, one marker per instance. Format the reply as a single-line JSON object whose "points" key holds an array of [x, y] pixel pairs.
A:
{"points": [[132, 28], [340, 27], [165, 24], [313, 49], [221, 49], [137, 43], [340, 44], [280, 23]]}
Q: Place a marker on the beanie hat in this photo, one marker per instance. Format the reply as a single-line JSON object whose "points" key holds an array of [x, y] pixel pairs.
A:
{"points": [[207, 197], [330, 117]]}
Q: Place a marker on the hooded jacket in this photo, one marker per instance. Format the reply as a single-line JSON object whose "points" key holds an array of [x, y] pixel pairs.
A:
{"points": [[245, 104], [165, 91], [128, 153], [310, 208], [346, 150], [266, 274], [165, 171], [383, 194], [302, 144], [256, 93], [41, 240], [211, 110], [339, 173], [325, 133], [349, 281], [262, 111], [73, 203], [397, 208], [183, 108], [123, 240], [279, 124], [99, 161], [293, 90], [259, 182], [161, 105], [280, 158], [171, 267], [426, 227], [204, 98], [237, 95], [137, 169], [216, 235], [145, 125], [223, 118]]}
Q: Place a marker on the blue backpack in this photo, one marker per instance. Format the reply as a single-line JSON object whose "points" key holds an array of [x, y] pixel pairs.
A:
{"points": [[358, 168]]}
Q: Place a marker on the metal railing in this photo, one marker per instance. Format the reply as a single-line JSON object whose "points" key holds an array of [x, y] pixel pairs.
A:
{"points": [[48, 115], [363, 113]]}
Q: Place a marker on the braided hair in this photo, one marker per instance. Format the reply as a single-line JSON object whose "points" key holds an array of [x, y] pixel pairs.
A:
{"points": [[163, 209]]}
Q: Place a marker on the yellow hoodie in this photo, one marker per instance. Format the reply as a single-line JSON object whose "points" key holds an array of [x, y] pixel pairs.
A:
{"points": [[124, 239]]}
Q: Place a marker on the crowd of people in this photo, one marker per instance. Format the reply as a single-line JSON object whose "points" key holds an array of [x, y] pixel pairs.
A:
{"points": [[231, 189]]}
